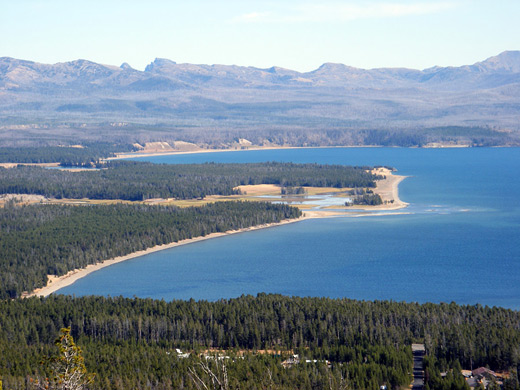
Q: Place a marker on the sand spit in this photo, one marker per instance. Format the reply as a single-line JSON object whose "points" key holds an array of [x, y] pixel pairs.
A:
{"points": [[388, 190]]}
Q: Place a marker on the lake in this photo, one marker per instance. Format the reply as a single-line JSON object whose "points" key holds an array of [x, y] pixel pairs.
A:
{"points": [[460, 241]]}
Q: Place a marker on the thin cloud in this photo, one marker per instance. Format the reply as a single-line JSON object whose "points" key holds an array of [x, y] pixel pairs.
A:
{"points": [[253, 17], [335, 12]]}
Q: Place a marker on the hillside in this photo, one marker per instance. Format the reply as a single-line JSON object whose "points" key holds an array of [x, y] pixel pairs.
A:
{"points": [[215, 105], [131, 343]]}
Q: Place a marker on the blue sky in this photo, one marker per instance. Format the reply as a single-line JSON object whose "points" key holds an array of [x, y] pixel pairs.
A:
{"points": [[298, 35]]}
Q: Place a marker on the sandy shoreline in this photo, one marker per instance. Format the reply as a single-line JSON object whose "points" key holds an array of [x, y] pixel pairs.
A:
{"points": [[56, 283], [388, 189], [174, 152], [198, 151]]}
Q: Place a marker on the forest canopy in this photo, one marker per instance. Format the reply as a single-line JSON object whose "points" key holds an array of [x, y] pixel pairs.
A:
{"points": [[138, 181], [41, 240], [130, 343], [87, 154]]}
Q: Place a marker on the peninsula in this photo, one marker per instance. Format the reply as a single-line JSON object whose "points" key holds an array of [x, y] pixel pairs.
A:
{"points": [[125, 193], [386, 188]]}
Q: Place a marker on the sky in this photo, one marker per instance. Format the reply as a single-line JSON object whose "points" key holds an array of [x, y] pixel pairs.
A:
{"points": [[299, 35]]}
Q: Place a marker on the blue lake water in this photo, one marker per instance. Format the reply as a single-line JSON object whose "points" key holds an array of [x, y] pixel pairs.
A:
{"points": [[460, 242]]}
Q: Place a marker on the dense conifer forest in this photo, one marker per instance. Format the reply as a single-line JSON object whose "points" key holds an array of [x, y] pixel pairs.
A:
{"points": [[49, 239], [140, 180], [39, 240], [130, 343], [89, 154]]}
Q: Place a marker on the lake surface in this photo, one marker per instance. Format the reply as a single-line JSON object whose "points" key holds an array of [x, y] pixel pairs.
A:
{"points": [[460, 241]]}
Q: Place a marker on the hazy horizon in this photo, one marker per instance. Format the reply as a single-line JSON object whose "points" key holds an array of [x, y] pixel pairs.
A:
{"points": [[250, 66], [297, 35]]}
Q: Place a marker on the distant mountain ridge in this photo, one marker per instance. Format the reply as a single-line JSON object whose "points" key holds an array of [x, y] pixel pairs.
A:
{"points": [[16, 73], [188, 96]]}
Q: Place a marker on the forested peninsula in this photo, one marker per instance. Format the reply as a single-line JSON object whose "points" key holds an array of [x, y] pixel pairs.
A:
{"points": [[131, 343], [137, 181], [40, 240]]}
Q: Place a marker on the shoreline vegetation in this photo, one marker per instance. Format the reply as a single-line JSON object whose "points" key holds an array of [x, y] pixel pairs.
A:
{"points": [[56, 283], [384, 186], [388, 189], [154, 151], [90, 155], [52, 239]]}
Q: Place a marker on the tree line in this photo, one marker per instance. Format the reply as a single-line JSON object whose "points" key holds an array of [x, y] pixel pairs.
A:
{"points": [[38, 240], [140, 180], [131, 342], [89, 154]]}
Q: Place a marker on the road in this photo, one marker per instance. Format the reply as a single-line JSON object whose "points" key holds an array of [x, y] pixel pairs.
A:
{"points": [[418, 368]]}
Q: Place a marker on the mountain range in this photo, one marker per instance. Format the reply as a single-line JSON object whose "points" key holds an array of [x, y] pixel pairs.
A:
{"points": [[202, 103]]}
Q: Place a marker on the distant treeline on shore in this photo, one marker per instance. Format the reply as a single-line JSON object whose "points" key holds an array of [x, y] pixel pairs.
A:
{"points": [[87, 154]]}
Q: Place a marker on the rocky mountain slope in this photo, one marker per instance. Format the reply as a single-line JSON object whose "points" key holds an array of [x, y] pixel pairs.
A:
{"points": [[194, 102]]}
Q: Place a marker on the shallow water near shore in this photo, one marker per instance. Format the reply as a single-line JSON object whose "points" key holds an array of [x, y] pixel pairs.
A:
{"points": [[460, 242]]}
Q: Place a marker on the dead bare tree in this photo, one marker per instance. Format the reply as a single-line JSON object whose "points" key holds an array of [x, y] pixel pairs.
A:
{"points": [[207, 378]]}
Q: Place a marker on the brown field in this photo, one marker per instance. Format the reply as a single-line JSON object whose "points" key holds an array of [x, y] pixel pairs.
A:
{"points": [[259, 189]]}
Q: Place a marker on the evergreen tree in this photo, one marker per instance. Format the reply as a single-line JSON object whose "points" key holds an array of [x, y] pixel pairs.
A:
{"points": [[67, 368]]}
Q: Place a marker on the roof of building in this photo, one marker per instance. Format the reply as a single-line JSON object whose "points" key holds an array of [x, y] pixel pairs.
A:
{"points": [[482, 371]]}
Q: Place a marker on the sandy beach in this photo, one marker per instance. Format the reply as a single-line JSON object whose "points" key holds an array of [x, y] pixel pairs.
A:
{"points": [[144, 153], [388, 189], [54, 283], [154, 152]]}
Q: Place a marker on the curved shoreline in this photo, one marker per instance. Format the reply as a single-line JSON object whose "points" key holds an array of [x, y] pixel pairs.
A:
{"points": [[55, 283], [388, 190]]}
